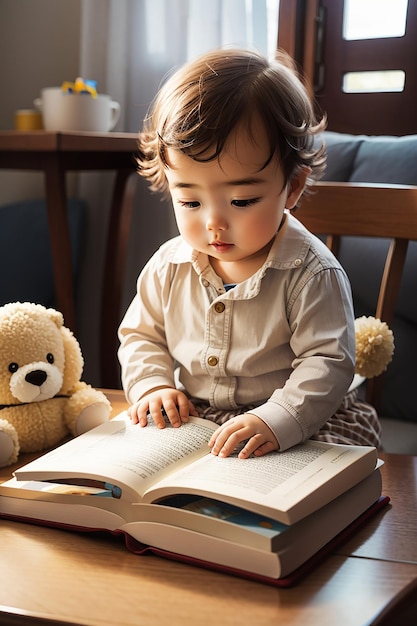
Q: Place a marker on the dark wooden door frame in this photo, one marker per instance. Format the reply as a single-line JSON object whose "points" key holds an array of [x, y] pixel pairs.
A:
{"points": [[311, 31]]}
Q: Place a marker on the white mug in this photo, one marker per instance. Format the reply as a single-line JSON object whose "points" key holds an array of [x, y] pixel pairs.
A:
{"points": [[77, 111]]}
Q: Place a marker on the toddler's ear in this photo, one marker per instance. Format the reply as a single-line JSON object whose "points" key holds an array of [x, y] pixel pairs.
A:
{"points": [[296, 187]]}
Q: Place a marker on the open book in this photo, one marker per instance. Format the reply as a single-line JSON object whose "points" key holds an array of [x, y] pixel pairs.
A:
{"points": [[163, 488]]}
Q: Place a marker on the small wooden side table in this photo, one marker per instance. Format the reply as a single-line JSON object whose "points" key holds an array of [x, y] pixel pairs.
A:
{"points": [[55, 154]]}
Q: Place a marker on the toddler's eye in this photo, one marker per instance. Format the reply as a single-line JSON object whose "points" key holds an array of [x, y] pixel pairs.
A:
{"points": [[241, 204], [189, 205]]}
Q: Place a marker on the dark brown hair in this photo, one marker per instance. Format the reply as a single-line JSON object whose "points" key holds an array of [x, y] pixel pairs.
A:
{"points": [[202, 103]]}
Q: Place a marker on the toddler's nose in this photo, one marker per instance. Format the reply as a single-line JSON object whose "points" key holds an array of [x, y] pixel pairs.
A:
{"points": [[215, 221]]}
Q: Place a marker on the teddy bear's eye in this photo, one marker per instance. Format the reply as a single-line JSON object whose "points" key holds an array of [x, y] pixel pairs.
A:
{"points": [[13, 367], [50, 358]]}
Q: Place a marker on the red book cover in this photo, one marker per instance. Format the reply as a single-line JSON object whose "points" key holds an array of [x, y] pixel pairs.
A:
{"points": [[292, 579]]}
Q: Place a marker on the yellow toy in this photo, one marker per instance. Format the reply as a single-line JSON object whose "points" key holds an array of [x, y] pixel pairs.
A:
{"points": [[42, 399]]}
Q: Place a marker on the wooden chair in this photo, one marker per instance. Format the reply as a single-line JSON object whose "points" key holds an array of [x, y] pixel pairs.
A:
{"points": [[363, 210]]}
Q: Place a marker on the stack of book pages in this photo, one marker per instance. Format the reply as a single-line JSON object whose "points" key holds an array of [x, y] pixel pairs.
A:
{"points": [[269, 518]]}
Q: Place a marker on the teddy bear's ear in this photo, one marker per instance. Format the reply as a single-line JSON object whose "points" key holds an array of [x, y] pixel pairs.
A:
{"points": [[56, 317], [74, 361]]}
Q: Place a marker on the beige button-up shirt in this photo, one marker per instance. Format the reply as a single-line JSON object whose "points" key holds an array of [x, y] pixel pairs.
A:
{"points": [[281, 342]]}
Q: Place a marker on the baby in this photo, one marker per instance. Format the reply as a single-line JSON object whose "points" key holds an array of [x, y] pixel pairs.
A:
{"points": [[245, 318]]}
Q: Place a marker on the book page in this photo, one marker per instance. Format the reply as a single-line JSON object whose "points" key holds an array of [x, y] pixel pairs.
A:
{"points": [[123, 454], [277, 482]]}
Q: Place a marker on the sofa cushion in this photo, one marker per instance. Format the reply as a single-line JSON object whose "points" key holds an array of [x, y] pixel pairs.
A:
{"points": [[341, 153], [385, 160], [25, 253], [399, 438]]}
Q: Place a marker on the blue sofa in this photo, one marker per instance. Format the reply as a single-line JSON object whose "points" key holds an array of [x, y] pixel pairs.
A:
{"points": [[25, 253], [383, 159]]}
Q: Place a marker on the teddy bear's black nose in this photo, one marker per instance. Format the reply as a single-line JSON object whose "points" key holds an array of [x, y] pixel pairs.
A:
{"points": [[37, 377]]}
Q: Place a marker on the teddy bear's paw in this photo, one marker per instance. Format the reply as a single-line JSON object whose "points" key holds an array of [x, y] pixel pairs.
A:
{"points": [[92, 416], [9, 445]]}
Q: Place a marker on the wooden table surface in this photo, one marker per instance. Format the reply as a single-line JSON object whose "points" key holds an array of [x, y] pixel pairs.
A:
{"points": [[93, 580]]}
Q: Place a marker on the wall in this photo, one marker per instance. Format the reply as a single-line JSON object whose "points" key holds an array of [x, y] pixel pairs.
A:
{"points": [[40, 47], [31, 34]]}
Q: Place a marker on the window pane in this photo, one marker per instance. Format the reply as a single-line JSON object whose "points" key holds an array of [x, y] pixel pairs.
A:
{"points": [[373, 82], [373, 19]]}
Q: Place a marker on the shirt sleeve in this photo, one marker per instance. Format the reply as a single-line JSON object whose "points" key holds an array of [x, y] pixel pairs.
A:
{"points": [[323, 342], [143, 353]]}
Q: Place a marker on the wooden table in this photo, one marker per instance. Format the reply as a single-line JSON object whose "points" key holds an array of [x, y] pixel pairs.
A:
{"points": [[94, 580], [55, 154]]}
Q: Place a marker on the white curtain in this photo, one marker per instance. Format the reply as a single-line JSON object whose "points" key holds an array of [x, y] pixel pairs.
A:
{"points": [[129, 46]]}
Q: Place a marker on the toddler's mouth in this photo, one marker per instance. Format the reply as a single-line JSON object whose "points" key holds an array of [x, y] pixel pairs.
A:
{"points": [[221, 246]]}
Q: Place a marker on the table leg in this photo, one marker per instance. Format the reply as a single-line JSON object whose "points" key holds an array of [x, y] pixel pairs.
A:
{"points": [[114, 274], [56, 202]]}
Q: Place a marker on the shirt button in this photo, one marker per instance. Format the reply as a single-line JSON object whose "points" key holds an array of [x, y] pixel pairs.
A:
{"points": [[219, 307], [297, 262], [212, 361], [205, 282]]}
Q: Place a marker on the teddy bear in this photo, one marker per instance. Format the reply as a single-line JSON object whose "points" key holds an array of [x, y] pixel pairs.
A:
{"points": [[42, 399]]}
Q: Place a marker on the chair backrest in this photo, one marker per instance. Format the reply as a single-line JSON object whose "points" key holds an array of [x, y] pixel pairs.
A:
{"points": [[364, 210]]}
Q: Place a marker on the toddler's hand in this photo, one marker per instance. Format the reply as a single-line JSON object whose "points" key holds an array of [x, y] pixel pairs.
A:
{"points": [[175, 404], [247, 427]]}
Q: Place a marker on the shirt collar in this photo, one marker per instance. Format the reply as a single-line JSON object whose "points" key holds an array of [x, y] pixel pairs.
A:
{"points": [[290, 246], [289, 250]]}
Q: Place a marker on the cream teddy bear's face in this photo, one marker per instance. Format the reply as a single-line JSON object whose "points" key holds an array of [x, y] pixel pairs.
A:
{"points": [[36, 381], [34, 360]]}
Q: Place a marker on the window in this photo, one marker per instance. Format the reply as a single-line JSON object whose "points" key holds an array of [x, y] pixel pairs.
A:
{"points": [[374, 19], [374, 82]]}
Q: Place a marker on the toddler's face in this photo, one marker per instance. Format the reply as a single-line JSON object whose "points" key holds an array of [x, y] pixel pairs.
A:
{"points": [[230, 208]]}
